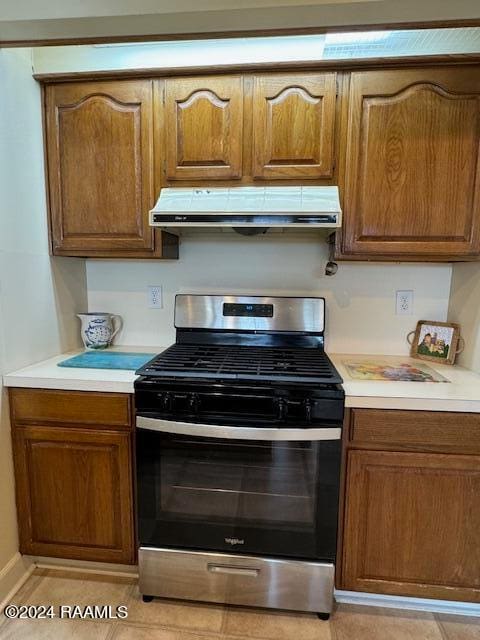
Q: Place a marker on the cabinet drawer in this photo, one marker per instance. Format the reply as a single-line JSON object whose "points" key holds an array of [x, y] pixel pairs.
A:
{"points": [[44, 406], [416, 430]]}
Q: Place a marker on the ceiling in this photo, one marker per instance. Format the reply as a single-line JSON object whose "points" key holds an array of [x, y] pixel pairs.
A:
{"points": [[37, 20], [46, 9]]}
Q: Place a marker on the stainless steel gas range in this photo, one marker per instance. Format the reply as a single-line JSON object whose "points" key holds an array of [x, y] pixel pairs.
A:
{"points": [[238, 456]]}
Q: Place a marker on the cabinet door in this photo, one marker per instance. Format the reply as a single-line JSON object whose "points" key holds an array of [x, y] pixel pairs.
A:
{"points": [[99, 152], [204, 127], [412, 525], [293, 125], [412, 175], [74, 493]]}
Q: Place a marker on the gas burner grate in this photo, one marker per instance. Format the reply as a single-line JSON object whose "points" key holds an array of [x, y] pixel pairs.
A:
{"points": [[243, 363]]}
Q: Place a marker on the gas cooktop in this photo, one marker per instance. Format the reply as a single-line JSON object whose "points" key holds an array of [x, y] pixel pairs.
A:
{"points": [[243, 363]]}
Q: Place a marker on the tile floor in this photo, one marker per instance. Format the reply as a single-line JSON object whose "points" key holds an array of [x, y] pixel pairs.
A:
{"points": [[173, 620]]}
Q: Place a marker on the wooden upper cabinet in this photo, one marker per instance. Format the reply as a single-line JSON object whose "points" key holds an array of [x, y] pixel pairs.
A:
{"points": [[204, 128], [293, 126], [412, 174], [99, 151]]}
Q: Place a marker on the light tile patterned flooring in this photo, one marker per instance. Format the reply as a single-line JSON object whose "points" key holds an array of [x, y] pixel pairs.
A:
{"points": [[174, 620]]}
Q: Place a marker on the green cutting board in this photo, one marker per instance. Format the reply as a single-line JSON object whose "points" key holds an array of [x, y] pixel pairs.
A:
{"points": [[107, 360]]}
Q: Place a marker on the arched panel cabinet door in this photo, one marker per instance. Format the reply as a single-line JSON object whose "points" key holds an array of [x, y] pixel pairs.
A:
{"points": [[204, 128], [99, 151], [293, 126], [412, 164]]}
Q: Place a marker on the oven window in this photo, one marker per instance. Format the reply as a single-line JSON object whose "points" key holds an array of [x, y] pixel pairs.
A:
{"points": [[266, 495], [263, 482]]}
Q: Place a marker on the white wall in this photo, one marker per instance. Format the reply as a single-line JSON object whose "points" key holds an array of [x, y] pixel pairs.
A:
{"points": [[465, 309], [360, 298], [38, 294]]}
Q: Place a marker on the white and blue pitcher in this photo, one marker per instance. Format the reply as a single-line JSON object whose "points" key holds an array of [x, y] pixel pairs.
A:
{"points": [[98, 329]]}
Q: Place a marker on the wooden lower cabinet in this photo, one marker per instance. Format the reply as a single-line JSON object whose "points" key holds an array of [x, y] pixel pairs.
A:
{"points": [[74, 489], [412, 519]]}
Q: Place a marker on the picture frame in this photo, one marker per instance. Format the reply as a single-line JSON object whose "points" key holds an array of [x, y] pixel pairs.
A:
{"points": [[435, 341]]}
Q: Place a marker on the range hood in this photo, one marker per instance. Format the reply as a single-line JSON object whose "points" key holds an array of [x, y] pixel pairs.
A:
{"points": [[248, 208]]}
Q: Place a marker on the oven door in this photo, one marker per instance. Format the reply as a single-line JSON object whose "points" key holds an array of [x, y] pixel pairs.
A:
{"points": [[267, 491]]}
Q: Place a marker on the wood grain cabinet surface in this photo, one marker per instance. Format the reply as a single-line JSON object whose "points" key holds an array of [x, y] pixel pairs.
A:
{"points": [[99, 139], [74, 481], [411, 522], [204, 128], [402, 144], [427, 431], [54, 407], [293, 125], [412, 164]]}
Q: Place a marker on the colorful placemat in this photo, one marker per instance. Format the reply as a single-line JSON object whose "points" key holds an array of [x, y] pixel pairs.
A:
{"points": [[401, 371]]}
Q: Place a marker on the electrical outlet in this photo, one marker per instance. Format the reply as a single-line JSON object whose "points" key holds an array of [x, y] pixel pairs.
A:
{"points": [[155, 299], [404, 303]]}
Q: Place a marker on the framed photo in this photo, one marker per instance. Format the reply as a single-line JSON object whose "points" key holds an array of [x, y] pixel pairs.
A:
{"points": [[435, 341]]}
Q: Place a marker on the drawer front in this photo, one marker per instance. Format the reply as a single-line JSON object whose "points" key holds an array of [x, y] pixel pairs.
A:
{"points": [[236, 579], [416, 430], [44, 406]]}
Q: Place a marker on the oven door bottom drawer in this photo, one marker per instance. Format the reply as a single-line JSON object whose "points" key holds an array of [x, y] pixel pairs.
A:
{"points": [[233, 579]]}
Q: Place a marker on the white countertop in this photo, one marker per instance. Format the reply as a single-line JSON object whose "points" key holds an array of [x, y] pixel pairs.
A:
{"points": [[461, 393], [48, 375]]}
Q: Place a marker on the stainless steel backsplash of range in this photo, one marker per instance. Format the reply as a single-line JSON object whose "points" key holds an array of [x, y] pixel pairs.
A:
{"points": [[238, 436]]}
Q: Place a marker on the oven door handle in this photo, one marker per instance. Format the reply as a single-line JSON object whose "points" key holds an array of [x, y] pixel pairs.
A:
{"points": [[237, 433]]}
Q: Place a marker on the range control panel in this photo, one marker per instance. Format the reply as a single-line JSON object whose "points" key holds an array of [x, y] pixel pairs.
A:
{"points": [[248, 310]]}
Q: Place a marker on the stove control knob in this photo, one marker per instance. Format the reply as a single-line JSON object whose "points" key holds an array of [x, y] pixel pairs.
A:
{"points": [[282, 407], [308, 410], [194, 402], [168, 401]]}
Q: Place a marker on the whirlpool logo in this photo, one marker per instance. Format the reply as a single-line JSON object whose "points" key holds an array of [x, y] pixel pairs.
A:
{"points": [[234, 541]]}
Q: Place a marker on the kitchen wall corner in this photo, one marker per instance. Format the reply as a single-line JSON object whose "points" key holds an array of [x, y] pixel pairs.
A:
{"points": [[464, 308], [39, 295]]}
